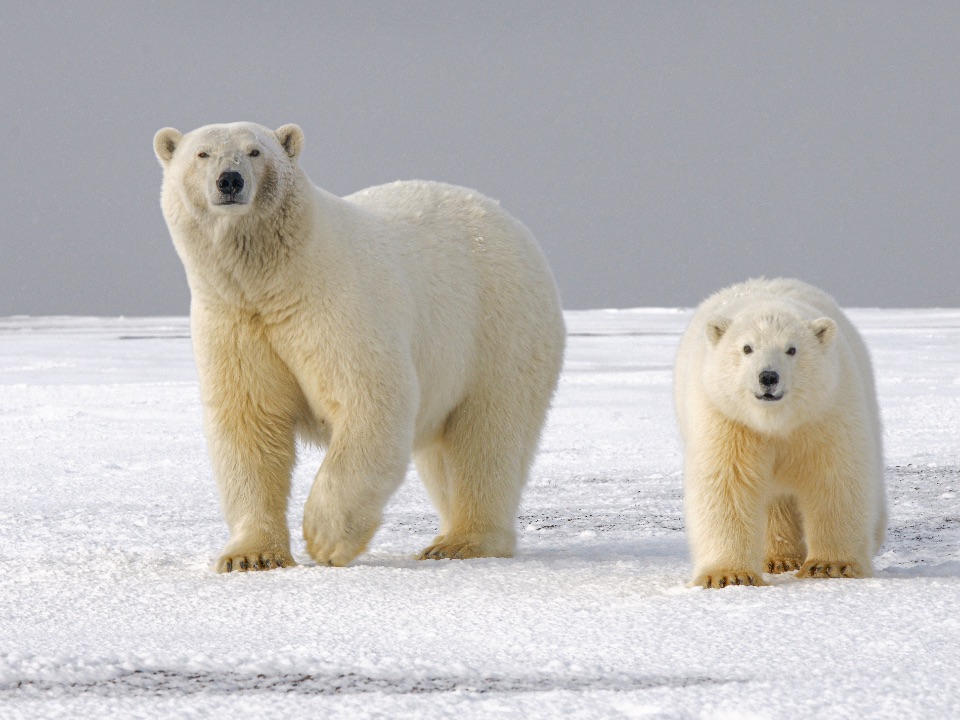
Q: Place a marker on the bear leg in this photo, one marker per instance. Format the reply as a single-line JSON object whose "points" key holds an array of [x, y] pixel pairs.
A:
{"points": [[785, 549], [250, 401], [725, 479], [432, 469], [363, 466], [838, 528], [254, 482], [486, 461]]}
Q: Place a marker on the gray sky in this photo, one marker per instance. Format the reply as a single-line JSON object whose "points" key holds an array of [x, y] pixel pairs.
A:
{"points": [[658, 150]]}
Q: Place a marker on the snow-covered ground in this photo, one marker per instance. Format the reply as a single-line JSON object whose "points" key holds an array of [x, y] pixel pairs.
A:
{"points": [[109, 522]]}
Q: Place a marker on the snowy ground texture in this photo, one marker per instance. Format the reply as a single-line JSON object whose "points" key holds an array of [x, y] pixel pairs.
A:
{"points": [[109, 523]]}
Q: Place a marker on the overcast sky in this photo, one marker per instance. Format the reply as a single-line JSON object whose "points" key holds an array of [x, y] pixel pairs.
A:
{"points": [[658, 150]]}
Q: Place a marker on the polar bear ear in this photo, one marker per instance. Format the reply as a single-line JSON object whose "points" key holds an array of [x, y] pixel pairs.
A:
{"points": [[165, 143], [291, 139], [825, 329], [716, 327]]}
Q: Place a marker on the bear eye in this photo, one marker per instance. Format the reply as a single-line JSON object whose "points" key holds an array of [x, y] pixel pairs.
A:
{"points": [[202, 154], [791, 351], [254, 153], [747, 349]]}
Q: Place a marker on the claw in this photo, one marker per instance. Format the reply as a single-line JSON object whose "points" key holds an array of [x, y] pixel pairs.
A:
{"points": [[253, 562]]}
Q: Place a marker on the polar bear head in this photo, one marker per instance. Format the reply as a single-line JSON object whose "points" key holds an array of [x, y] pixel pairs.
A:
{"points": [[770, 369], [227, 170]]}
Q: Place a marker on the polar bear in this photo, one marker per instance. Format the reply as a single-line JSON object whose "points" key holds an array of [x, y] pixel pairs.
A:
{"points": [[410, 318], [783, 465]]}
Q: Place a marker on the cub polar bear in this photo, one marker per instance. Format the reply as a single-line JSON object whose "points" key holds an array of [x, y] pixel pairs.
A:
{"points": [[411, 317], [783, 465]]}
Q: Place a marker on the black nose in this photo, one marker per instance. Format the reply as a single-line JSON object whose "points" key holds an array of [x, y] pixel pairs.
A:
{"points": [[768, 378], [230, 182]]}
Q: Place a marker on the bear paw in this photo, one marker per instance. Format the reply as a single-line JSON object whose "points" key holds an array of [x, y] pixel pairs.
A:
{"points": [[335, 553], [464, 548], [724, 578], [777, 565], [831, 569], [334, 532], [329, 546], [245, 562]]}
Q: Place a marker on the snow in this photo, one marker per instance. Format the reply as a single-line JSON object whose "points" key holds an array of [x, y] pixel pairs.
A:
{"points": [[109, 523]]}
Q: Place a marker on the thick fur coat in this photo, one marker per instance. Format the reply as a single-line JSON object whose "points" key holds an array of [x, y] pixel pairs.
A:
{"points": [[783, 467], [411, 318]]}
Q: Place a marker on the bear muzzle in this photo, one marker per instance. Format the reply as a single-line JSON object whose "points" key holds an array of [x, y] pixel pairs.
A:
{"points": [[769, 380], [230, 185]]}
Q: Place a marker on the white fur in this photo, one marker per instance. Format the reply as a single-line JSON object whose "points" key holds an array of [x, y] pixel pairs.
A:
{"points": [[776, 484], [409, 318]]}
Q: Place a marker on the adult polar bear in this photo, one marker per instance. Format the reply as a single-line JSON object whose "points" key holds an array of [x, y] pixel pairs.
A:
{"points": [[783, 465], [411, 317]]}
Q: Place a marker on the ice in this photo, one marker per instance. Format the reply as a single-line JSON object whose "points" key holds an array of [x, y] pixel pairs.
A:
{"points": [[109, 522]]}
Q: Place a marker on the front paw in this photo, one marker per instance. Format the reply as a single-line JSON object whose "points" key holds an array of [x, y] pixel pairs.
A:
{"points": [[775, 565], [831, 569], [336, 543], [721, 578], [253, 560], [332, 551]]}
